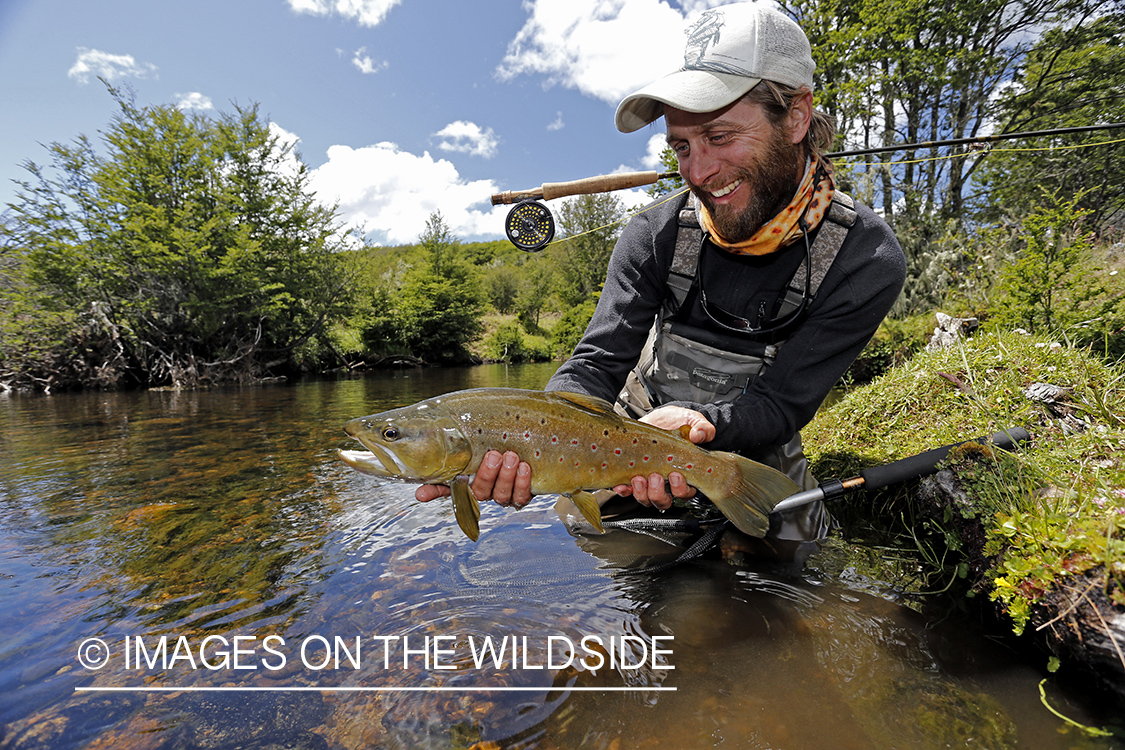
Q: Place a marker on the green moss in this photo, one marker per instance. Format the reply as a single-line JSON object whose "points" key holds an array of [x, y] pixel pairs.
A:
{"points": [[1052, 510]]}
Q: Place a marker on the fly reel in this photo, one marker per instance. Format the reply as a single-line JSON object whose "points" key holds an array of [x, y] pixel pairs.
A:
{"points": [[530, 226]]}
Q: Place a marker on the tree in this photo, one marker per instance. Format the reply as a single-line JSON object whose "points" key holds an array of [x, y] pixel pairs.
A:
{"points": [[441, 302], [907, 71], [193, 248], [1052, 284], [1074, 76], [590, 224]]}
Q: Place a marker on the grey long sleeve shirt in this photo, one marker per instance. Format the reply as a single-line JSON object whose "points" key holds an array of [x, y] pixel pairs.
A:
{"points": [[856, 294]]}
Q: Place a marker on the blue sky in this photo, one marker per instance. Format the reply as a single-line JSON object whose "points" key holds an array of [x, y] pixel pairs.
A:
{"points": [[400, 107]]}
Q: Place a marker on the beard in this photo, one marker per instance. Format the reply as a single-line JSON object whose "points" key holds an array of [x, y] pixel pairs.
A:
{"points": [[773, 179]]}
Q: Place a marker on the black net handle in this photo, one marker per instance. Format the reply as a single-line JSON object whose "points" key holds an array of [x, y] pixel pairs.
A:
{"points": [[926, 463]]}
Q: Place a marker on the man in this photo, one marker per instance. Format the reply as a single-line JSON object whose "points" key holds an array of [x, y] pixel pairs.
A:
{"points": [[757, 316]]}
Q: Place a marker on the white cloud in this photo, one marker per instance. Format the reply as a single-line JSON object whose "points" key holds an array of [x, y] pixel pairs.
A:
{"points": [[656, 145], [194, 100], [94, 62], [365, 64], [390, 193], [603, 48], [291, 164], [557, 123], [468, 138], [365, 12]]}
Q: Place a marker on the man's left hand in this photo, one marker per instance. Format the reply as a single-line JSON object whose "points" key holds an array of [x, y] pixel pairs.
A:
{"points": [[651, 490]]}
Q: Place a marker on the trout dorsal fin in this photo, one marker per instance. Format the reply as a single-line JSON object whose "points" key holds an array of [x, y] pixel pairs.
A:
{"points": [[584, 401]]}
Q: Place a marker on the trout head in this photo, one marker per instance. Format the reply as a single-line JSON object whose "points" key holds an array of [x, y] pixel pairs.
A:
{"points": [[415, 443]]}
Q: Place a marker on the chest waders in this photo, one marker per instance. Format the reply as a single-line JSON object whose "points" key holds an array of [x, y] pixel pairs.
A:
{"points": [[677, 363]]}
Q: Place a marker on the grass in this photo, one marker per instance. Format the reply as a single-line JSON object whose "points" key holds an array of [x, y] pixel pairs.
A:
{"points": [[1053, 510]]}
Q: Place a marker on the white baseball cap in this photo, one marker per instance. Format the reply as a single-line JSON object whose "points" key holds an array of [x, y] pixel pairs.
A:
{"points": [[729, 50]]}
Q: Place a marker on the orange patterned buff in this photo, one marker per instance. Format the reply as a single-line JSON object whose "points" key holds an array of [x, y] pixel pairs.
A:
{"points": [[813, 197]]}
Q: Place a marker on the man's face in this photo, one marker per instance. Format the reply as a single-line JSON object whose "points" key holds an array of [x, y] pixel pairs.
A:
{"points": [[744, 170]]}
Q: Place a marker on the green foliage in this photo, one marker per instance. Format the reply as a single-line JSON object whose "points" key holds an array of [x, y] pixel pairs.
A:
{"points": [[568, 331], [509, 344], [193, 247], [439, 306], [668, 163], [1074, 76], [1050, 511], [1053, 283], [591, 224], [894, 343]]}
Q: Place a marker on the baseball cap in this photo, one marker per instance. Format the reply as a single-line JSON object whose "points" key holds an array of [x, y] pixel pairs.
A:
{"points": [[729, 50]]}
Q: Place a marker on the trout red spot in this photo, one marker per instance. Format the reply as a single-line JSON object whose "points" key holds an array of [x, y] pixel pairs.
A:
{"points": [[617, 451], [632, 464], [554, 439], [527, 436], [604, 464], [646, 458], [574, 442], [538, 454], [669, 459], [593, 446], [690, 466]]}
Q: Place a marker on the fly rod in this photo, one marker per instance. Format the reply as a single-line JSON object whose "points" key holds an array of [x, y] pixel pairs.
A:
{"points": [[530, 225], [897, 471]]}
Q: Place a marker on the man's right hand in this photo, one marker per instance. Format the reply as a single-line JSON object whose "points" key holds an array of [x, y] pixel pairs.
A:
{"points": [[502, 478]]}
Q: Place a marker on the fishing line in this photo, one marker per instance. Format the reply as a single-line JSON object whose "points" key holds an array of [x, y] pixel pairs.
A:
{"points": [[530, 225]]}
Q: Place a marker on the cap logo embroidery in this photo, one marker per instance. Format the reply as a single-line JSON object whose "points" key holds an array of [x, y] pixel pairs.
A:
{"points": [[699, 53]]}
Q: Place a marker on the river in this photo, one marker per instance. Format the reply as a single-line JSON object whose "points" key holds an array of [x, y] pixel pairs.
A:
{"points": [[199, 570]]}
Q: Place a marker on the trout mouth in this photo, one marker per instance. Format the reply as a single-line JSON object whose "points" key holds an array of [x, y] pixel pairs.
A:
{"points": [[375, 461]]}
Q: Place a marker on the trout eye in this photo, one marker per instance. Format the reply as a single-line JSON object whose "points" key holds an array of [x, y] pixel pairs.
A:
{"points": [[390, 433]]}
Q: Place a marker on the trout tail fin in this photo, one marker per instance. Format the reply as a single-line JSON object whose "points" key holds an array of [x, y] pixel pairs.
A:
{"points": [[756, 489]]}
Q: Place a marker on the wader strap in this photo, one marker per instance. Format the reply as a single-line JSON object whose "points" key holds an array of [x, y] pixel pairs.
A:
{"points": [[689, 238], [829, 240]]}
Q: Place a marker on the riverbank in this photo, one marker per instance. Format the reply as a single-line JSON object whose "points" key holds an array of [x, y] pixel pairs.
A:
{"points": [[1040, 534]]}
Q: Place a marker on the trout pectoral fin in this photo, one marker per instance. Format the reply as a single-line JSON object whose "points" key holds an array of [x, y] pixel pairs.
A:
{"points": [[588, 506], [465, 508]]}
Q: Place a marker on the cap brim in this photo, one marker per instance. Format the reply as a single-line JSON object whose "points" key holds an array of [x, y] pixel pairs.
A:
{"points": [[689, 90]]}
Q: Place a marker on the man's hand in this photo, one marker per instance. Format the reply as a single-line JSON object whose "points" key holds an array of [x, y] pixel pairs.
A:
{"points": [[507, 480], [503, 478], [651, 490]]}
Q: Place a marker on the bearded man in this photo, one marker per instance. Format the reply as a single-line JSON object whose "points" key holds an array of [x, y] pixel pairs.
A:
{"points": [[737, 311]]}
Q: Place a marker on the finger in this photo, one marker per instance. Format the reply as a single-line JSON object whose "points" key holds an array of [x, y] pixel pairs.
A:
{"points": [[625, 490], [679, 485], [640, 490], [521, 490], [656, 494], [506, 479], [428, 492], [702, 431], [486, 475]]}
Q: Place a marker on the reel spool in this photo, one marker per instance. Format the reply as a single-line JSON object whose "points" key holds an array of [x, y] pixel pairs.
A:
{"points": [[530, 226]]}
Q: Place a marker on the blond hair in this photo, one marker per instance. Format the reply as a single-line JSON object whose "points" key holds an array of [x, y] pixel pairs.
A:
{"points": [[777, 99]]}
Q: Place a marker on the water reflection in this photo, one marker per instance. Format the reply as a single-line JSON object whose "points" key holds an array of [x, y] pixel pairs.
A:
{"points": [[216, 520]]}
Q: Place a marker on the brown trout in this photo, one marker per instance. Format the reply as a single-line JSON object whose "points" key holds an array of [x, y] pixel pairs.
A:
{"points": [[572, 442]]}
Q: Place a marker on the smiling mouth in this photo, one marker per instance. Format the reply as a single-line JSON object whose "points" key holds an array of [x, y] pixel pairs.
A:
{"points": [[725, 190]]}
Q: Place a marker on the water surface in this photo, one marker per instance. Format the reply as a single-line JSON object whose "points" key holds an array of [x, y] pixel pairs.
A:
{"points": [[287, 588]]}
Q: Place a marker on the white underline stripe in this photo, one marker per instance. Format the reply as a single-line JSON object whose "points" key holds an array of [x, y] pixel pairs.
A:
{"points": [[313, 689]]}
